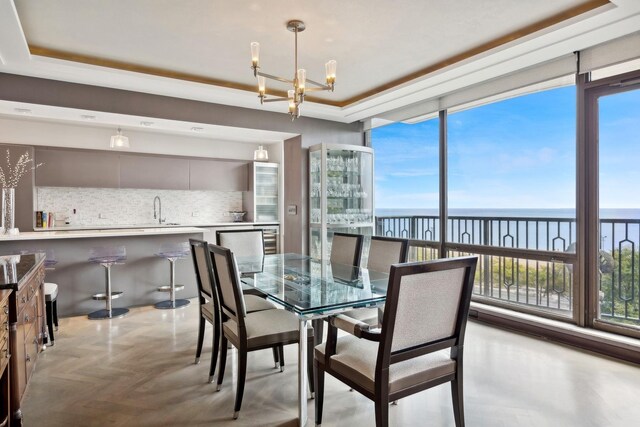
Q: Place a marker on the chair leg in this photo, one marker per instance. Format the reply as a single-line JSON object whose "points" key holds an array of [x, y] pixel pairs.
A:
{"points": [[200, 339], [310, 361], [49, 312], [458, 401], [214, 352], [318, 380], [318, 330], [242, 375], [276, 357], [223, 361], [54, 304], [382, 412], [281, 357]]}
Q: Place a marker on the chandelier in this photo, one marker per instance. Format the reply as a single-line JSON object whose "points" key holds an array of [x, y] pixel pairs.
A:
{"points": [[295, 96]]}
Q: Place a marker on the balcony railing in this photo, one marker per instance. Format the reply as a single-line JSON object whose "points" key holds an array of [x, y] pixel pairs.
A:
{"points": [[529, 261]]}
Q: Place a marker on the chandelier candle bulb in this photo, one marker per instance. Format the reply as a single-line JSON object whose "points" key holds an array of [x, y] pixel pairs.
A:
{"points": [[255, 54], [302, 78], [330, 68], [262, 86]]}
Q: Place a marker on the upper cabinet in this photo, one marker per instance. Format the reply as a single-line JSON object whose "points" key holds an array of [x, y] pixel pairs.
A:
{"points": [[219, 175], [104, 169], [76, 168], [154, 172]]}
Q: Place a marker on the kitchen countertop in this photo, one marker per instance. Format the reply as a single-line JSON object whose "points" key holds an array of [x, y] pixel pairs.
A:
{"points": [[150, 225], [88, 233]]}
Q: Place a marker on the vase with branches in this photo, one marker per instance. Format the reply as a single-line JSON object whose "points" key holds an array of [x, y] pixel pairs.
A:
{"points": [[9, 179]]}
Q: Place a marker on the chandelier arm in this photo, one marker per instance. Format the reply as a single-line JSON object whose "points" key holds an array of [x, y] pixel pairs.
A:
{"points": [[269, 76], [275, 99], [323, 86]]}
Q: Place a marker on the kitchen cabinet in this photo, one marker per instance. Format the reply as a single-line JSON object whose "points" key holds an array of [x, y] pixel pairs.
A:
{"points": [[154, 172], [218, 175], [76, 168]]}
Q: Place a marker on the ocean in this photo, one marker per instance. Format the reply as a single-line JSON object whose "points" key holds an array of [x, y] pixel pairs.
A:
{"points": [[619, 227], [519, 213]]}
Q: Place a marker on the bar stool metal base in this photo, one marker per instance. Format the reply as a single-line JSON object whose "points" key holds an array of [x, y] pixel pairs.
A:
{"points": [[104, 314], [167, 288], [167, 305]]}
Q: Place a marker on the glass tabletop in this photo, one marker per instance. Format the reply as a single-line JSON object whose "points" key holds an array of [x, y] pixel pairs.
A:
{"points": [[310, 286]]}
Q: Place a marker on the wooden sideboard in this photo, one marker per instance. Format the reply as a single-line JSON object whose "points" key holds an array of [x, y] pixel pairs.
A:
{"points": [[24, 275], [5, 355]]}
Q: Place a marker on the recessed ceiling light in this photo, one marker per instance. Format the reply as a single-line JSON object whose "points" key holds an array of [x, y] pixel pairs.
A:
{"points": [[197, 129], [146, 124], [22, 110], [87, 117]]}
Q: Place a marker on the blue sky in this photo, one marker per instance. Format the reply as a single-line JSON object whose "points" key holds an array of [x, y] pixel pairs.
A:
{"points": [[517, 153]]}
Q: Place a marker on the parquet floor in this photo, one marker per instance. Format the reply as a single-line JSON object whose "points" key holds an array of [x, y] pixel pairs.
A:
{"points": [[139, 371]]}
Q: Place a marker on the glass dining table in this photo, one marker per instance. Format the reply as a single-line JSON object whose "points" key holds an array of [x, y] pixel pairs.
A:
{"points": [[312, 289]]}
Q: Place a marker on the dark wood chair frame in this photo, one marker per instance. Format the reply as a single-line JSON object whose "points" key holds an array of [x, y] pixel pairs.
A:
{"points": [[205, 295], [241, 342], [381, 395]]}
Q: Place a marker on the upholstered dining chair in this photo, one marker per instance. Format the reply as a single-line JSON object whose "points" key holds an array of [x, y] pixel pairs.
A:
{"points": [[346, 249], [208, 298], [383, 252], [247, 331], [245, 243], [419, 346]]}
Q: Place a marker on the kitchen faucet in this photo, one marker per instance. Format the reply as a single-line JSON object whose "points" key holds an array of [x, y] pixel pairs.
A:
{"points": [[157, 215]]}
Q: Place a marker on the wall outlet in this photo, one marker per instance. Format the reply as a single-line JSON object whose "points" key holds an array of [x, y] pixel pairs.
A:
{"points": [[195, 213], [102, 216], [226, 214]]}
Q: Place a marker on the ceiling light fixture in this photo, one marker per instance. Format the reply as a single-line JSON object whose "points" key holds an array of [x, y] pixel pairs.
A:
{"points": [[261, 155], [87, 117], [197, 129], [119, 140], [146, 124], [295, 96], [25, 111]]}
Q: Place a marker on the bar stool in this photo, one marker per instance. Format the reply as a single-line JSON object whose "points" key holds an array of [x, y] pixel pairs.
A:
{"points": [[107, 257], [173, 252]]}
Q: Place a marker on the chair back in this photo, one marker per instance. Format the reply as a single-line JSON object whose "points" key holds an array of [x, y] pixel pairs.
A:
{"points": [[227, 281], [204, 270], [346, 249], [426, 308], [243, 243], [385, 251]]}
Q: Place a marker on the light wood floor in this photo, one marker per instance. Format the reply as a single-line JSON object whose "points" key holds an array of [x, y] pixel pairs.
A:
{"points": [[139, 371]]}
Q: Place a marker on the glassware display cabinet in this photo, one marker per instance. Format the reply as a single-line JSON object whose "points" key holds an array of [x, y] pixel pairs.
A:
{"points": [[341, 194]]}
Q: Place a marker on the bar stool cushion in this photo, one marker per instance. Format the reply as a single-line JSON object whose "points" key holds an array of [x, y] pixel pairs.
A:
{"points": [[50, 291]]}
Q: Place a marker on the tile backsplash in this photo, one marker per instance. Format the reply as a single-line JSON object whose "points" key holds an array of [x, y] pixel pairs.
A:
{"points": [[105, 206]]}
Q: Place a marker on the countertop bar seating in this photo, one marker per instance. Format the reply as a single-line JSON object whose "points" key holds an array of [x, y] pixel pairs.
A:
{"points": [[108, 257], [172, 253]]}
